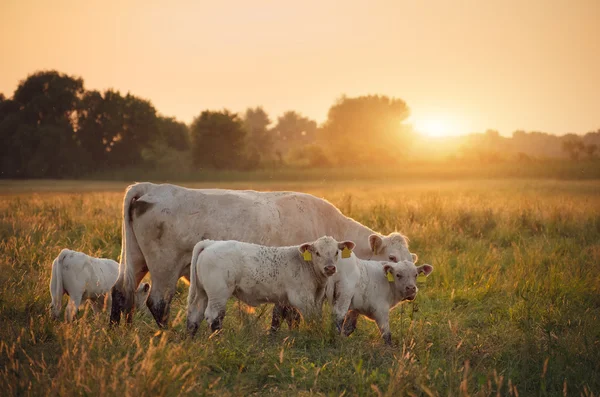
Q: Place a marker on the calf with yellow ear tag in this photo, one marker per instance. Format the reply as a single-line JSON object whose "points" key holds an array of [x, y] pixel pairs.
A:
{"points": [[371, 288]]}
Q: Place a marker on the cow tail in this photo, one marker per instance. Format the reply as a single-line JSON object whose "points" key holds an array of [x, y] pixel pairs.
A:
{"points": [[56, 284], [129, 244], [194, 280]]}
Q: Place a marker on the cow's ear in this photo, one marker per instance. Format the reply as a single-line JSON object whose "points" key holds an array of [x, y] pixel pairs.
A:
{"points": [[425, 269], [387, 268], [375, 242], [346, 244], [146, 287], [305, 247], [414, 257]]}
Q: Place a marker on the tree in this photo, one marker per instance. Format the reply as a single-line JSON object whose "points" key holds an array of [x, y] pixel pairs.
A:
{"points": [[114, 129], [367, 129], [218, 140], [259, 141], [573, 145], [38, 126], [293, 131], [591, 150], [173, 134]]}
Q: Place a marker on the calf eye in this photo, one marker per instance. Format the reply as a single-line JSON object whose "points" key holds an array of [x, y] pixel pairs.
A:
{"points": [[318, 254], [399, 276]]}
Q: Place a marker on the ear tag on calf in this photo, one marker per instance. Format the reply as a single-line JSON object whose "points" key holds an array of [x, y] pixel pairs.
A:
{"points": [[307, 255], [346, 252], [390, 277], [421, 278]]}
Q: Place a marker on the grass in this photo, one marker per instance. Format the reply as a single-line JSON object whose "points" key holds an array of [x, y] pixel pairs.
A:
{"points": [[512, 307]]}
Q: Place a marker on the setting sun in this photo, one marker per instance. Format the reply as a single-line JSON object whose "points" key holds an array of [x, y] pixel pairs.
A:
{"points": [[434, 127]]}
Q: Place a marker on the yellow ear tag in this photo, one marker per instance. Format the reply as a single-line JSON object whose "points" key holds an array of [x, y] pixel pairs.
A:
{"points": [[307, 255], [390, 277], [346, 252], [421, 278]]}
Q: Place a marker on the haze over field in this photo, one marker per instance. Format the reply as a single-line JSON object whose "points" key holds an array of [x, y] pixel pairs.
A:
{"points": [[462, 66]]}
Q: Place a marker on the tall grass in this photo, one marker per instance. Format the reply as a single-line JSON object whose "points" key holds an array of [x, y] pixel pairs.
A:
{"points": [[512, 307]]}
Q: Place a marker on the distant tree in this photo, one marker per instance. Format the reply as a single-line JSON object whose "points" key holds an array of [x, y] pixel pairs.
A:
{"points": [[38, 126], [259, 140], [591, 150], [293, 131], [218, 140], [114, 129], [173, 134], [573, 145], [367, 129]]}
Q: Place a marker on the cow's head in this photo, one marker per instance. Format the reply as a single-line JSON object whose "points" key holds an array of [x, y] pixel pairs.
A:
{"points": [[393, 248], [324, 253], [403, 276]]}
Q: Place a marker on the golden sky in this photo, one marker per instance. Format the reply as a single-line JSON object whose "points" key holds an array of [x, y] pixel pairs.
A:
{"points": [[462, 66]]}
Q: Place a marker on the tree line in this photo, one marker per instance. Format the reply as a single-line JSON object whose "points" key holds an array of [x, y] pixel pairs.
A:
{"points": [[52, 127]]}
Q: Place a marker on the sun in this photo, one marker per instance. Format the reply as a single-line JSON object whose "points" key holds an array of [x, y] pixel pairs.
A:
{"points": [[433, 127]]}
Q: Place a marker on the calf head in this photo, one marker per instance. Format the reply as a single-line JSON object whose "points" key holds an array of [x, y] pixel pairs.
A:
{"points": [[393, 248], [141, 294], [324, 254], [403, 276]]}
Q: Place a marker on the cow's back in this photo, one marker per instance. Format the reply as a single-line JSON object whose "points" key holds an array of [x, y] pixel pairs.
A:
{"points": [[179, 217]]}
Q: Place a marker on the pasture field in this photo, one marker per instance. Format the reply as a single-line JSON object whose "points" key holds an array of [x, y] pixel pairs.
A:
{"points": [[512, 307]]}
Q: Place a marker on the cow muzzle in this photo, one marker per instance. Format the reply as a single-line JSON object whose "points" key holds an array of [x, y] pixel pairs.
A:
{"points": [[330, 270]]}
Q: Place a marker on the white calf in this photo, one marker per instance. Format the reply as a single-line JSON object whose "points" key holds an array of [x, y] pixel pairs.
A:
{"points": [[84, 277], [371, 288], [257, 274]]}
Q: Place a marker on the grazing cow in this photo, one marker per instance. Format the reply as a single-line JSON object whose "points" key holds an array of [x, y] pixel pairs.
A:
{"points": [[84, 277], [258, 274], [371, 288], [162, 223]]}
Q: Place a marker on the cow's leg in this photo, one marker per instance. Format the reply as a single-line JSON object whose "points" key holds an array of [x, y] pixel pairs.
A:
{"points": [[197, 302], [73, 308], [383, 322], [98, 303], [278, 311], [123, 292], [292, 317], [350, 322], [162, 291]]}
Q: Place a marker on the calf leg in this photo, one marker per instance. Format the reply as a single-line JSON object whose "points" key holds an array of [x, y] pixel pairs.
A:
{"points": [[197, 302], [215, 313], [73, 308], [383, 322], [292, 317], [350, 322], [278, 311]]}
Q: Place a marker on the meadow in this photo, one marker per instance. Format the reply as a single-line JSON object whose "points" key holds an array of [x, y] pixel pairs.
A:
{"points": [[512, 307]]}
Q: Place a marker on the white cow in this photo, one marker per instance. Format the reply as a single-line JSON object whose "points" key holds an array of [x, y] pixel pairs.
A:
{"points": [[84, 277], [371, 288], [162, 223], [257, 274]]}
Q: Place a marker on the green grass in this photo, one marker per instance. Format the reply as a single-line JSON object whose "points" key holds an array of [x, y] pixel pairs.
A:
{"points": [[512, 306]]}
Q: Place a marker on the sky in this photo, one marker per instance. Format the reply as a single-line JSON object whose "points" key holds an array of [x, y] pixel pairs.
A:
{"points": [[461, 66]]}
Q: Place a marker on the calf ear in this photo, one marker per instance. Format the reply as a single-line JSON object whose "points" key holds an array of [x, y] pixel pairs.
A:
{"points": [[375, 242], [425, 269], [305, 247], [346, 244], [387, 268], [414, 257]]}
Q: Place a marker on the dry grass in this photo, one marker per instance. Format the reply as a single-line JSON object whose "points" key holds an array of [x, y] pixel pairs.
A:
{"points": [[512, 307]]}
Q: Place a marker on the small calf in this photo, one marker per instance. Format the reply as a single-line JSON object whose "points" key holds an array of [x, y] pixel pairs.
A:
{"points": [[255, 274], [84, 277], [371, 288]]}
